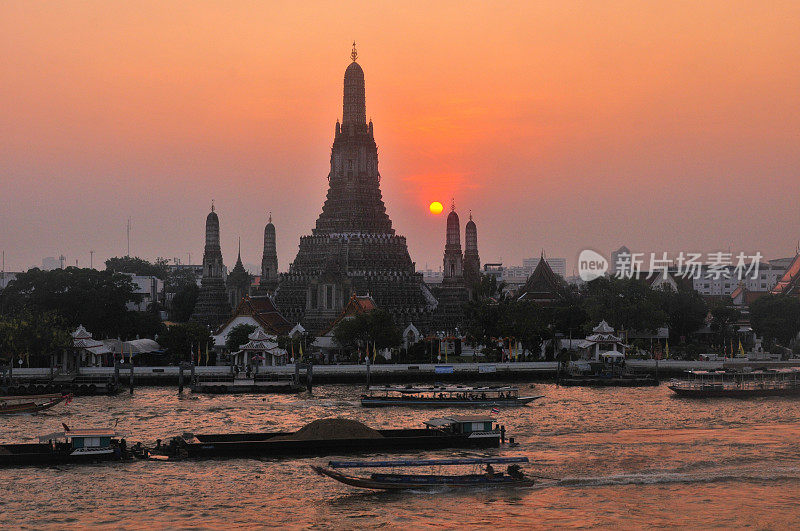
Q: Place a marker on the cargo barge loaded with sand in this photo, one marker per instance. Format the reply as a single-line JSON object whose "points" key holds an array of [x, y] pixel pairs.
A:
{"points": [[337, 436]]}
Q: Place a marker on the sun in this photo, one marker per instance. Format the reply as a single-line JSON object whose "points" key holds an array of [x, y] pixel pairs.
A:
{"points": [[436, 207]]}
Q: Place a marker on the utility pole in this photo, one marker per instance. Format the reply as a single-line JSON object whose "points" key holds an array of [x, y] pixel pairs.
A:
{"points": [[129, 237], [91, 259]]}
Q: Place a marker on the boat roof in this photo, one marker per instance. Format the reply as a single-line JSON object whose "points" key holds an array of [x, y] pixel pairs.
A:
{"points": [[448, 388], [86, 432], [428, 462], [446, 421]]}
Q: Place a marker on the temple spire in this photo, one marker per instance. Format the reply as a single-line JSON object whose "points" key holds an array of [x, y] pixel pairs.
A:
{"points": [[354, 53], [212, 205]]}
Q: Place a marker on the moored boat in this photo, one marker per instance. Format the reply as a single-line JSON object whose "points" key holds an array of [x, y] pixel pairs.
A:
{"points": [[444, 396], [339, 436], [17, 405], [738, 384], [514, 476], [68, 446]]}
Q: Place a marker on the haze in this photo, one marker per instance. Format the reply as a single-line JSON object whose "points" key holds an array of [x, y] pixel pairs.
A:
{"points": [[658, 125]]}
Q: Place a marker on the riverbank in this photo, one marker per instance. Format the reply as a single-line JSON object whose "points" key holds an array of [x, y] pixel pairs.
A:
{"points": [[400, 373]]}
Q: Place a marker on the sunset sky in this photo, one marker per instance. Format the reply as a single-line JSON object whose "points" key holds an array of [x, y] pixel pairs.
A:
{"points": [[562, 125]]}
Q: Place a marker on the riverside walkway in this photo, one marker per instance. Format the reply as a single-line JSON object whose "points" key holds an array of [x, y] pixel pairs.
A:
{"points": [[402, 373]]}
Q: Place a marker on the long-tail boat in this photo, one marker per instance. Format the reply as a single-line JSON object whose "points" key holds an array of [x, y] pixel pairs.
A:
{"points": [[444, 396], [514, 477], [16, 405]]}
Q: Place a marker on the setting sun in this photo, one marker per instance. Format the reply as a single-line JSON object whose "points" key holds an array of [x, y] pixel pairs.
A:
{"points": [[436, 207]]}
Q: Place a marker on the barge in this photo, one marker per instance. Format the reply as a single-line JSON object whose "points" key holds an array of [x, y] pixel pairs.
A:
{"points": [[339, 436]]}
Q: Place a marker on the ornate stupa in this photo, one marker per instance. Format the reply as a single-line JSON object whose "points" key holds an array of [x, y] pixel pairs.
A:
{"points": [[238, 281], [353, 248], [269, 259], [452, 293], [472, 262], [212, 307]]}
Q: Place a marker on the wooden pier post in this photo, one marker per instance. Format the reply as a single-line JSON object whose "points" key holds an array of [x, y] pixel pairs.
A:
{"points": [[310, 377], [130, 387], [180, 378], [368, 373]]}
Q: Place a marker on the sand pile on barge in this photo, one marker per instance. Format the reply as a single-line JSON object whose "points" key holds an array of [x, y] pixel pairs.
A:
{"points": [[336, 428]]}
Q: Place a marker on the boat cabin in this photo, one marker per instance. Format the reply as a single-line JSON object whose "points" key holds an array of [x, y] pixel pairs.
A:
{"points": [[462, 425], [84, 441]]}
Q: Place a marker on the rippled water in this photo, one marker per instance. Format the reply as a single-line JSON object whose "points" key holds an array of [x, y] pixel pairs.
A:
{"points": [[626, 458]]}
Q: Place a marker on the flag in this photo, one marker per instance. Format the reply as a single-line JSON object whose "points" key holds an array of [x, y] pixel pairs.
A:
{"points": [[300, 345], [666, 349], [495, 410], [292, 343], [374, 352], [198, 353], [206, 353], [741, 349]]}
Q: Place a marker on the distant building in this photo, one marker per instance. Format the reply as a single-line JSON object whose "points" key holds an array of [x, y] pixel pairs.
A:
{"points": [[558, 265], [238, 282], [5, 278], [543, 286], [150, 288], [49, 263], [789, 283]]}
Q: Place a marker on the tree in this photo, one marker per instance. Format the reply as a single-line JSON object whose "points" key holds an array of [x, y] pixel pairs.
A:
{"points": [[776, 317], [138, 266], [96, 299], [373, 328], [723, 319], [182, 341], [686, 311], [238, 336], [33, 336], [183, 303], [626, 304]]}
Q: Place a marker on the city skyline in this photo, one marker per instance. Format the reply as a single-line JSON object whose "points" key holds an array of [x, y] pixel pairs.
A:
{"points": [[554, 132]]}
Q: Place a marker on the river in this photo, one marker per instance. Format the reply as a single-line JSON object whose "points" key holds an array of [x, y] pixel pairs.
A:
{"points": [[627, 458]]}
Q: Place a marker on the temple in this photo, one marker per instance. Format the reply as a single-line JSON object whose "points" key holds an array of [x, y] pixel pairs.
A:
{"points": [[353, 248], [238, 282], [269, 260], [212, 307], [452, 294], [543, 286], [472, 262]]}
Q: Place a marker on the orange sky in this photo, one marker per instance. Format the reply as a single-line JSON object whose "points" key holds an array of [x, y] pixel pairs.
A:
{"points": [[658, 125]]}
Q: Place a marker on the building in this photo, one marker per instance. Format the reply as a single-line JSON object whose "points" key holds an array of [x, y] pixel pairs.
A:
{"points": [[149, 288], [789, 283], [258, 311], [452, 293], [543, 286], [726, 282], [238, 281], [558, 265], [50, 262], [353, 247], [212, 307], [472, 261], [269, 259]]}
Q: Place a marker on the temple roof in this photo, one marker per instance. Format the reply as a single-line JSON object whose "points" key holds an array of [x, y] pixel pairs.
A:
{"points": [[790, 281], [264, 312], [356, 305], [543, 285]]}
